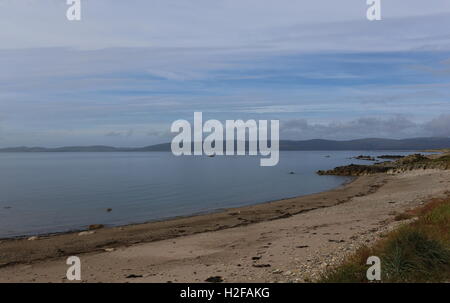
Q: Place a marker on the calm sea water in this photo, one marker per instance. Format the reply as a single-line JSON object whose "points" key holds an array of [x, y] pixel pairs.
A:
{"points": [[55, 192]]}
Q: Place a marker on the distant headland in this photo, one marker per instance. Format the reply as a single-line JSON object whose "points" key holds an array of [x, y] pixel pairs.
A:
{"points": [[425, 143]]}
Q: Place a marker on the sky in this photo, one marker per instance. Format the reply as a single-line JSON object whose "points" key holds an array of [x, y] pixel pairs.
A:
{"points": [[122, 74]]}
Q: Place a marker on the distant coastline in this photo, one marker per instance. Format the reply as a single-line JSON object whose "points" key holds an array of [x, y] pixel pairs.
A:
{"points": [[428, 143]]}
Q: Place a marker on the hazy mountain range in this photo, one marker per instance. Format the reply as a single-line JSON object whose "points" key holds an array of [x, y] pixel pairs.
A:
{"points": [[315, 144]]}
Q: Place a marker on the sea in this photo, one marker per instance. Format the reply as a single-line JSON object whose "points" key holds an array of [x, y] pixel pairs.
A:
{"points": [[51, 192]]}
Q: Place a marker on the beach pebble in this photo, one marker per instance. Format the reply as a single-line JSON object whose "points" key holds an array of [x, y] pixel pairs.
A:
{"points": [[85, 233], [277, 271], [109, 249], [32, 238]]}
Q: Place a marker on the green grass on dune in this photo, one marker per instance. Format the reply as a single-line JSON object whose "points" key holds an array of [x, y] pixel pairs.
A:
{"points": [[416, 252]]}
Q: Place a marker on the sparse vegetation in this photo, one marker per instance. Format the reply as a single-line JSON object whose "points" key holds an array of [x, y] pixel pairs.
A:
{"points": [[416, 252], [390, 157], [403, 216]]}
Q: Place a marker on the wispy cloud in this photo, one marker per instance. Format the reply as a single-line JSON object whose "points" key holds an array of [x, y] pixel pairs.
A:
{"points": [[391, 127], [140, 66], [439, 126]]}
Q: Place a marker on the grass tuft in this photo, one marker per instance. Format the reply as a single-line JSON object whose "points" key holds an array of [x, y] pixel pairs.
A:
{"points": [[416, 252]]}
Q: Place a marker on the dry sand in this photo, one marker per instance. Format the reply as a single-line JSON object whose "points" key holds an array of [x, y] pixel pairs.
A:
{"points": [[288, 240]]}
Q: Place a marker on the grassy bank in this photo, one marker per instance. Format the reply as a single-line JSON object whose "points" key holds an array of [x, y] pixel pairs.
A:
{"points": [[416, 252], [407, 163]]}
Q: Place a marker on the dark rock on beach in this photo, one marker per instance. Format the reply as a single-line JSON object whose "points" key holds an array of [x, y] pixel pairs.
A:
{"points": [[215, 279], [133, 276]]}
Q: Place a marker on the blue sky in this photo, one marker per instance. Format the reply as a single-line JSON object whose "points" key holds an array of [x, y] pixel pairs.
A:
{"points": [[128, 69]]}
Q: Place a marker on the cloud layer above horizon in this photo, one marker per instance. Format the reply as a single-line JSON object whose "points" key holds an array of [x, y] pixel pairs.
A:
{"points": [[128, 69]]}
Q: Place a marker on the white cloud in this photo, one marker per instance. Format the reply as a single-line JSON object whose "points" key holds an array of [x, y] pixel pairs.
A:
{"points": [[439, 126], [132, 62], [396, 127], [289, 24]]}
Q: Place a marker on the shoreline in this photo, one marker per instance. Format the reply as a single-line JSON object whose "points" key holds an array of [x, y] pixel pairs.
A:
{"points": [[17, 250], [196, 214], [77, 229], [293, 240]]}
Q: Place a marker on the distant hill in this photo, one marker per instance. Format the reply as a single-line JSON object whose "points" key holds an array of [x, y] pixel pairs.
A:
{"points": [[93, 148], [315, 144]]}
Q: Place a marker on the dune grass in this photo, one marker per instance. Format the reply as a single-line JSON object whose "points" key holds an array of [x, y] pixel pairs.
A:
{"points": [[416, 252]]}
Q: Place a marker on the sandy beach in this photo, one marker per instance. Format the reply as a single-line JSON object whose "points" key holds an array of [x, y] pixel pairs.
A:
{"points": [[290, 240]]}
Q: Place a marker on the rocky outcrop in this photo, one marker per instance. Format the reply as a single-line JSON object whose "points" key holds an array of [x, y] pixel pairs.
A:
{"points": [[412, 162], [354, 170], [390, 157], [367, 158], [412, 159], [420, 162]]}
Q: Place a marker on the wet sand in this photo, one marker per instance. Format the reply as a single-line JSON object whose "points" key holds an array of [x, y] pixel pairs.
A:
{"points": [[287, 240]]}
